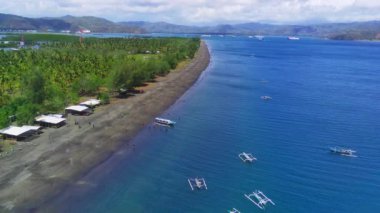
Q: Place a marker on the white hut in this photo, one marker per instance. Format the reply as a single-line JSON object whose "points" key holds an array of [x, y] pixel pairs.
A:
{"points": [[91, 103], [52, 120], [19, 133], [78, 110]]}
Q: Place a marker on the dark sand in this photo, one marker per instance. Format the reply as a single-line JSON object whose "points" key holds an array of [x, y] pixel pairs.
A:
{"points": [[41, 169]]}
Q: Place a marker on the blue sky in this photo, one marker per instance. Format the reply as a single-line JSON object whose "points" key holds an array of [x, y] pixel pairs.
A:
{"points": [[202, 12]]}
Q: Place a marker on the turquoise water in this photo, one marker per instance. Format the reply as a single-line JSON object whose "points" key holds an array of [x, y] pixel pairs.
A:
{"points": [[325, 93]]}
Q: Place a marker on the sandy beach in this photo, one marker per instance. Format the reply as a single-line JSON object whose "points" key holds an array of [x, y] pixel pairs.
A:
{"points": [[42, 168]]}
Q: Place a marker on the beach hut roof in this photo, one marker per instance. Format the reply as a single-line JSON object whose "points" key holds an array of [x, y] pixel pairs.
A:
{"points": [[16, 131], [77, 108], [35, 128], [56, 115], [52, 119], [91, 102]]}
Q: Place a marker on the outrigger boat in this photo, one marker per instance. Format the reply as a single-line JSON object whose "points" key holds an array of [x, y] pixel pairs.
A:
{"points": [[247, 157], [259, 37], [163, 121], [233, 210], [261, 199], [343, 151], [197, 183], [293, 38], [265, 97]]}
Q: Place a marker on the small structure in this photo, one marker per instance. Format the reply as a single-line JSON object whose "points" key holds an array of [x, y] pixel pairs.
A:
{"points": [[343, 151], [293, 38], [52, 120], [123, 92], [259, 199], [259, 37], [197, 183], [233, 210], [247, 157], [164, 121], [20, 133], [36, 47], [91, 103], [266, 98], [78, 110]]}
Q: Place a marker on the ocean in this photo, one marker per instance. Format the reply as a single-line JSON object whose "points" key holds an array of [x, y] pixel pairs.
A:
{"points": [[325, 93]]}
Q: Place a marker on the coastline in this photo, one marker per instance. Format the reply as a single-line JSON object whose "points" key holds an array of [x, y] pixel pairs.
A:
{"points": [[40, 169]]}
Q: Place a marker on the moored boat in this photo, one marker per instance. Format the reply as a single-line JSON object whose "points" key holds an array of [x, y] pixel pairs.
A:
{"points": [[265, 97], [164, 121], [197, 183], [293, 38], [259, 37], [343, 151], [247, 157], [234, 210], [259, 199]]}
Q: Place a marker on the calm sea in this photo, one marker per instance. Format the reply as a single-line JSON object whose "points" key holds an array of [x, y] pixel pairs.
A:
{"points": [[325, 93]]}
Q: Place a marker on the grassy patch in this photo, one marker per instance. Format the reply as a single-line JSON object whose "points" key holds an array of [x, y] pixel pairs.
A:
{"points": [[6, 147]]}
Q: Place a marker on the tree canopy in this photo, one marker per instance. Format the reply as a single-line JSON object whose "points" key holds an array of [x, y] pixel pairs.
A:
{"points": [[63, 68]]}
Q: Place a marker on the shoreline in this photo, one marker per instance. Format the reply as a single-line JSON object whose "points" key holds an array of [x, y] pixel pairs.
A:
{"points": [[60, 157]]}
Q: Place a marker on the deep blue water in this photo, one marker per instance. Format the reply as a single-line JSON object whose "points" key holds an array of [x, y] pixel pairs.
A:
{"points": [[325, 93]]}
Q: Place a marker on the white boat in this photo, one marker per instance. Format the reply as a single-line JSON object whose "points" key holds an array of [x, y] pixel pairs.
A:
{"points": [[247, 157], [164, 121], [197, 183], [293, 38], [343, 151], [265, 97], [259, 199], [233, 210], [259, 37]]}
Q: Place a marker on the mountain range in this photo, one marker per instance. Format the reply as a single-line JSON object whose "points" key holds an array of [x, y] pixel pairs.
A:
{"points": [[66, 23], [346, 31]]}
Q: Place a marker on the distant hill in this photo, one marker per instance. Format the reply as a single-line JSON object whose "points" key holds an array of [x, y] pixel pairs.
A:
{"points": [[164, 27], [344, 31], [94, 24], [21, 23], [161, 27], [356, 30]]}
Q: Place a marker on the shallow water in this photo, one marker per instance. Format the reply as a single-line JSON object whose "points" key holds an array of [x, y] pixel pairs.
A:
{"points": [[325, 93]]}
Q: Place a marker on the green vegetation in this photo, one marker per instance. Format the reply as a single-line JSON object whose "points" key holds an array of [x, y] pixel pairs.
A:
{"points": [[63, 69], [104, 98], [6, 147], [37, 38]]}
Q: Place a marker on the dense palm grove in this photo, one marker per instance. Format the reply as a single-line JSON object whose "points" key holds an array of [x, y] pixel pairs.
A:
{"points": [[61, 69]]}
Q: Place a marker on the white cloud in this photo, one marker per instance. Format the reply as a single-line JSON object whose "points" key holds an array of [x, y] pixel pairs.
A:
{"points": [[202, 11]]}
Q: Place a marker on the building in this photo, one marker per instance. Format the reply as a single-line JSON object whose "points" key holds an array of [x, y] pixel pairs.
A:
{"points": [[84, 31], [92, 103], [78, 110], [20, 133], [52, 120]]}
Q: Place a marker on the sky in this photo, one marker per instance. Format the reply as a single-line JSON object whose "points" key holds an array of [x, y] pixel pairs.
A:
{"points": [[202, 12]]}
